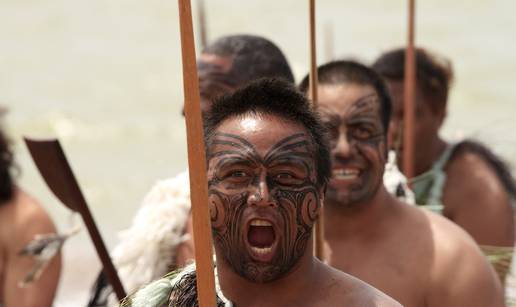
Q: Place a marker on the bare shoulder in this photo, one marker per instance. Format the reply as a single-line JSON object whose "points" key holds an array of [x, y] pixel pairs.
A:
{"points": [[449, 239], [483, 181], [20, 221], [476, 199], [22, 218], [460, 274], [448, 242], [347, 290]]}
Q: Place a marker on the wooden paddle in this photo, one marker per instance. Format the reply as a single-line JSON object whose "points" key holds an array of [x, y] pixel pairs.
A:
{"points": [[196, 161], [313, 81], [55, 170], [409, 95]]}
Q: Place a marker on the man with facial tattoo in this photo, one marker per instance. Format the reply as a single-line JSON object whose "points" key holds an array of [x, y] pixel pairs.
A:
{"points": [[268, 166], [413, 255]]}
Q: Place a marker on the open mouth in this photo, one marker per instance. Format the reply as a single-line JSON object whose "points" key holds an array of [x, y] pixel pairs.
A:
{"points": [[261, 238], [345, 173]]}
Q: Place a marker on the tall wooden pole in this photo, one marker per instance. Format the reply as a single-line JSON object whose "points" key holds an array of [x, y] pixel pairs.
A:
{"points": [[319, 225], [409, 95], [196, 162], [313, 54]]}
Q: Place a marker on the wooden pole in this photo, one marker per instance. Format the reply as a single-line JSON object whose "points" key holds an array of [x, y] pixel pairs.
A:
{"points": [[201, 11], [409, 95], [196, 162], [313, 54], [319, 225]]}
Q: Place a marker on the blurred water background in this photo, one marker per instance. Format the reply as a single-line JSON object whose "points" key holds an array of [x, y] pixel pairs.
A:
{"points": [[105, 77]]}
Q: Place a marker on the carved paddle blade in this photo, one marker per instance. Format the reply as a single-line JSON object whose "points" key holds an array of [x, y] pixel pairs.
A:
{"points": [[55, 170]]}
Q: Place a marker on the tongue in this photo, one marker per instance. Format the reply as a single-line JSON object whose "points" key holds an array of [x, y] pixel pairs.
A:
{"points": [[261, 236]]}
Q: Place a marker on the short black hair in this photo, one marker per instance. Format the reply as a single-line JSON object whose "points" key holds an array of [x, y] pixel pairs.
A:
{"points": [[276, 97], [347, 71], [434, 74], [254, 57]]}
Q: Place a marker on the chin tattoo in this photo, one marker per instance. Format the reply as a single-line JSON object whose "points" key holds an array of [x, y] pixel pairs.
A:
{"points": [[296, 202]]}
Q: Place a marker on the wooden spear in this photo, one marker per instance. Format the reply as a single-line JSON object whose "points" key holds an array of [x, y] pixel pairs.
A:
{"points": [[53, 166], [409, 95], [196, 161], [319, 225]]}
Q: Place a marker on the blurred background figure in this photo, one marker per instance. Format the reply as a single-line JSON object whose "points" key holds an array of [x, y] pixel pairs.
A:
{"points": [[160, 238], [464, 181], [24, 281]]}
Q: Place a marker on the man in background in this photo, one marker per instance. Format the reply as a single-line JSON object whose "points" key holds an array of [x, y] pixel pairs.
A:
{"points": [[415, 256], [464, 181]]}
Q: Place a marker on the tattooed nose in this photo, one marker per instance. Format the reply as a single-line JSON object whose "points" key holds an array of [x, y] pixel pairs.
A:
{"points": [[262, 199]]}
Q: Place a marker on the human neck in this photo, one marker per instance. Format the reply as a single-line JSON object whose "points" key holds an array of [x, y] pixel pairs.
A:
{"points": [[359, 219], [295, 284], [435, 152]]}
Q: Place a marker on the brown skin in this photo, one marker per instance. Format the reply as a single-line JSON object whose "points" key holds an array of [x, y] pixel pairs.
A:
{"points": [[263, 179], [480, 205], [416, 257], [20, 220]]}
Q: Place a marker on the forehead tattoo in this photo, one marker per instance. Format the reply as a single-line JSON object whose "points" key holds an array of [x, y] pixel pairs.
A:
{"points": [[364, 112], [296, 200], [295, 148], [365, 107]]}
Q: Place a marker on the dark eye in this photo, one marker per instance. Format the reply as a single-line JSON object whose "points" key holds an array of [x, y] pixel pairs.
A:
{"points": [[361, 133], [286, 178], [237, 174], [237, 177]]}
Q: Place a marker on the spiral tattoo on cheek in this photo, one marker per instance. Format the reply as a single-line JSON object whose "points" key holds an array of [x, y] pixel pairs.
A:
{"points": [[297, 209]]}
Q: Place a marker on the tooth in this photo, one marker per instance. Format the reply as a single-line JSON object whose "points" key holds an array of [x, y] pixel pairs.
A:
{"points": [[346, 173], [262, 250], [258, 222]]}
